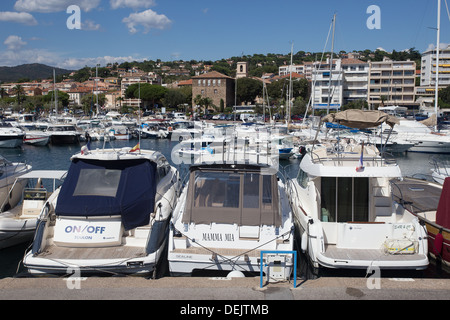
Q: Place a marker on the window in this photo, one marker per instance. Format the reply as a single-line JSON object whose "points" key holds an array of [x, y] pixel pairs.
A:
{"points": [[344, 199], [98, 182], [302, 179], [251, 190]]}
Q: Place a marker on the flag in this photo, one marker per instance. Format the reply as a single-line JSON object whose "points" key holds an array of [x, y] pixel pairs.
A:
{"points": [[360, 168], [135, 148], [361, 164]]}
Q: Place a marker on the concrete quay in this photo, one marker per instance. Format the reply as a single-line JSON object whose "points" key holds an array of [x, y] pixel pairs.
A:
{"points": [[240, 290]]}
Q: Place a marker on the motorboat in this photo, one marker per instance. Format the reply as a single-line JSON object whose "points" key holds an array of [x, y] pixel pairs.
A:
{"points": [[430, 202], [9, 171], [111, 215], [18, 220], [10, 136], [343, 210], [228, 214], [424, 139], [440, 169], [34, 136], [63, 134], [120, 132]]}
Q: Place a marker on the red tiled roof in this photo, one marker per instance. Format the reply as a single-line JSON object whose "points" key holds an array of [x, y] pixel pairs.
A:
{"points": [[211, 75]]}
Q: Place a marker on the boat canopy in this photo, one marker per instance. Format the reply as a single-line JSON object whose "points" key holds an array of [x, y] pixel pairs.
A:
{"points": [[360, 119], [107, 188], [443, 210], [243, 197]]}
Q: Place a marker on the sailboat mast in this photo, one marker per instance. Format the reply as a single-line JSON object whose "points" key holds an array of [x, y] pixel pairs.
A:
{"points": [[290, 87], [331, 65], [437, 63], [55, 92]]}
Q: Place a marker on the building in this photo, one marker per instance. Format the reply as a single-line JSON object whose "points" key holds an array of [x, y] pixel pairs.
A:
{"points": [[356, 74], [327, 85], [215, 86], [242, 70], [428, 67], [391, 83], [286, 69]]}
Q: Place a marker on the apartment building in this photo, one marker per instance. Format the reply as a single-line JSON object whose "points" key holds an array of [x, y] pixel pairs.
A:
{"points": [[391, 83], [286, 69], [327, 85], [428, 67], [355, 84]]}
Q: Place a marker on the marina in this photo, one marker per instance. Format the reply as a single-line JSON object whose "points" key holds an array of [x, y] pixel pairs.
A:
{"points": [[57, 157]]}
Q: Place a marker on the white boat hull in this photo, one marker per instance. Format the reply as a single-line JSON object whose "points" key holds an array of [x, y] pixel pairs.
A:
{"points": [[15, 231]]}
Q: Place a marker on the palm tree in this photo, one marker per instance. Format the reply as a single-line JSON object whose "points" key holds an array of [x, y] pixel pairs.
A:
{"points": [[3, 92], [18, 91]]}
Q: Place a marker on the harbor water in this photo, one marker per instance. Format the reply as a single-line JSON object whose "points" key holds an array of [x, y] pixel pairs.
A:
{"points": [[54, 157]]}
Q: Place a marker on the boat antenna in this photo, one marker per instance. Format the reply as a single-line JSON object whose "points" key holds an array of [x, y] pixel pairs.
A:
{"points": [[139, 115]]}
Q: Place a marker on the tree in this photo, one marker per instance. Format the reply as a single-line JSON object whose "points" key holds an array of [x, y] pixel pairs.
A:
{"points": [[19, 92], [248, 89]]}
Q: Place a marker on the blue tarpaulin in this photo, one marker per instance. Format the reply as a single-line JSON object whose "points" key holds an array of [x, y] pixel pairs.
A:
{"points": [[104, 188]]}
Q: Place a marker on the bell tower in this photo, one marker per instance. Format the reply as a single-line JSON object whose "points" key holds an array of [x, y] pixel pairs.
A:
{"points": [[242, 70]]}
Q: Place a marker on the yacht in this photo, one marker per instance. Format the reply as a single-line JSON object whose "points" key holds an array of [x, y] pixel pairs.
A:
{"points": [[344, 213], [35, 136], [10, 136], [111, 215], [9, 171], [63, 134], [228, 214], [18, 220], [424, 139]]}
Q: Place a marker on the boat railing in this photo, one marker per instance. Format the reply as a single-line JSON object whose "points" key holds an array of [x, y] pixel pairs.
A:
{"points": [[408, 205], [440, 166], [341, 158]]}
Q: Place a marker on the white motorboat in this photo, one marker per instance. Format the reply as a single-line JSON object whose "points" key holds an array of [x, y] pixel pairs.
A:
{"points": [[227, 214], [10, 136], [440, 169], [18, 222], [63, 134], [34, 136], [344, 213], [111, 215], [120, 132], [9, 171], [424, 139]]}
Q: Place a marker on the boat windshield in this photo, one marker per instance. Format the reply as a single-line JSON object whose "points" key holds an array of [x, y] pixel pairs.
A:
{"points": [[244, 198]]}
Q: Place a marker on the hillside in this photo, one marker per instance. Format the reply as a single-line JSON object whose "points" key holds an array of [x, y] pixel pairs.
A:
{"points": [[29, 71]]}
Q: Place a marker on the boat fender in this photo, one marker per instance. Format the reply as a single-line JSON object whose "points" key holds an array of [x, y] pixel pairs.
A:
{"points": [[438, 243], [304, 242]]}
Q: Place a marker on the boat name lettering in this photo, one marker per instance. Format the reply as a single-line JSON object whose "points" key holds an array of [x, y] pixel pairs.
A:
{"points": [[403, 226], [218, 237], [81, 229]]}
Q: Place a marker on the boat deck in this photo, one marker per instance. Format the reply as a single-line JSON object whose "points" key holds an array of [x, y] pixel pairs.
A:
{"points": [[419, 195], [335, 253], [120, 252]]}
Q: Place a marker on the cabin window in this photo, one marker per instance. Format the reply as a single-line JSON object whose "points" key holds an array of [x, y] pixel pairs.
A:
{"points": [[217, 191], [344, 199], [251, 190], [247, 198], [302, 179], [97, 182]]}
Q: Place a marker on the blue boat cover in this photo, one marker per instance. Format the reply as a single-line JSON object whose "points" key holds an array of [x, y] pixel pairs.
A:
{"points": [[130, 190]]}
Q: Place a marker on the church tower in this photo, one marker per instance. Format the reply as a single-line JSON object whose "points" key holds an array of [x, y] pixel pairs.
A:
{"points": [[242, 70]]}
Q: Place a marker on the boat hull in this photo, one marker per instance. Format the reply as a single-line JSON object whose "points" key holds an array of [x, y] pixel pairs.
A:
{"points": [[16, 231], [11, 141]]}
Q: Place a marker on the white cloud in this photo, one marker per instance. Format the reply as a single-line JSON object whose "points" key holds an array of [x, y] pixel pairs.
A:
{"points": [[14, 43], [19, 17], [148, 19], [135, 4], [90, 25], [46, 6]]}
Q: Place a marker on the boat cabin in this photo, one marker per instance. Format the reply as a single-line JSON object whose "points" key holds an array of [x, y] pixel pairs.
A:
{"points": [[232, 194]]}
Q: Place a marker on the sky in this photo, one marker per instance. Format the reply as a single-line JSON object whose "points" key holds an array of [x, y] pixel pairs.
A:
{"points": [[45, 31]]}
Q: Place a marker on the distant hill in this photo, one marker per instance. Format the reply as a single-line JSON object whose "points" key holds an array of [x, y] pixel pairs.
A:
{"points": [[31, 71]]}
